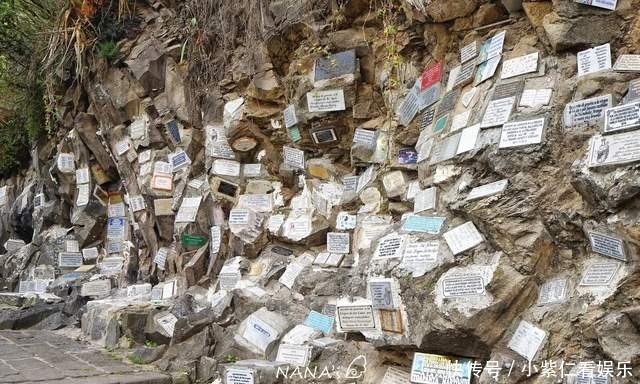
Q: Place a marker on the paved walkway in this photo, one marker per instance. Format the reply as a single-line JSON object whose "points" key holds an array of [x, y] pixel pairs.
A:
{"points": [[45, 357]]}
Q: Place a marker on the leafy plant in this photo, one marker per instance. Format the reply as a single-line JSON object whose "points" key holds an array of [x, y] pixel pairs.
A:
{"points": [[108, 50], [150, 344], [136, 360]]}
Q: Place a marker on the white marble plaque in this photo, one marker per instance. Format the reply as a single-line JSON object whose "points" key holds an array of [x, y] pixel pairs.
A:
{"points": [[468, 96], [326, 101], [290, 274], [389, 247], [168, 323], [293, 157], [96, 288], [239, 216], [468, 139], [239, 376], [188, 210], [486, 70], [82, 176], [527, 340], [229, 276], [83, 196], [425, 199], [138, 290], [606, 4], [535, 97], [162, 207], [216, 238], [460, 120], [614, 149], [290, 118], [122, 146], [463, 237], [69, 259], [520, 133], [346, 221], [622, 117], [381, 294], [586, 110], [259, 333], [594, 60], [355, 317], [599, 274], [488, 190], [468, 52], [492, 47], [66, 162], [420, 252], [296, 355], [364, 136], [445, 149], [338, 242], [137, 203], [395, 375], [627, 63], [161, 257], [463, 285], [519, 66], [408, 109], [90, 253], [607, 245], [497, 112], [138, 128], [553, 292], [226, 167], [162, 168]]}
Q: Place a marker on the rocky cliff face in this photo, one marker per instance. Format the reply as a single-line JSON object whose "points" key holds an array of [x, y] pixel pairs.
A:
{"points": [[352, 187]]}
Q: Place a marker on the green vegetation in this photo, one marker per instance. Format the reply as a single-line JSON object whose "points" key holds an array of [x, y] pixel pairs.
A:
{"points": [[108, 50], [136, 360], [150, 344]]}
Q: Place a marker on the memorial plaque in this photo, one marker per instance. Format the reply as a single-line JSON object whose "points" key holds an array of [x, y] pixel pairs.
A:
{"points": [[168, 323], [526, 340], [497, 112], [622, 117], [338, 242], [468, 96], [553, 292], [586, 110], [364, 136], [229, 276], [138, 290], [633, 91], [69, 259], [535, 97], [427, 97], [440, 124], [445, 149], [296, 355], [463, 237], [174, 131], [162, 207], [290, 118], [335, 65], [431, 75], [607, 4], [395, 375], [323, 135], [486, 70], [423, 224], [425, 200], [619, 148], [468, 139], [355, 317], [409, 108], [492, 47], [82, 175], [627, 63], [164, 183], [437, 369], [599, 274], [66, 163], [417, 255], [179, 160], [519, 66], [239, 376], [427, 117], [97, 288], [463, 285], [453, 75], [468, 52], [381, 294], [465, 74], [391, 320], [607, 245], [594, 60], [407, 156], [510, 89], [460, 120], [487, 190], [389, 247], [293, 157], [225, 167], [90, 253], [33, 286], [137, 203], [320, 322], [326, 101], [259, 333], [83, 196], [448, 102], [188, 210], [161, 257], [518, 133], [288, 278]]}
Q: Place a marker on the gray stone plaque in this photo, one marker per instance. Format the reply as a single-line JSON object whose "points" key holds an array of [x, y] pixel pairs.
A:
{"points": [[586, 110], [381, 294], [622, 117], [607, 245], [336, 65]]}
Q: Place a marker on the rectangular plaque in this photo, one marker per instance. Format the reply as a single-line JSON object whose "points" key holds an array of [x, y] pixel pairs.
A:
{"points": [[188, 210], [463, 285], [69, 259], [526, 340], [96, 288], [445, 149], [497, 112], [365, 137], [389, 247], [448, 102], [606, 4], [520, 133], [427, 117], [409, 108], [326, 101], [427, 97], [633, 91], [335, 65], [423, 224], [486, 70], [425, 200], [607, 245], [355, 317], [259, 333], [437, 369], [296, 355], [463, 237], [599, 274], [586, 110], [492, 47], [381, 294], [319, 321], [487, 190], [535, 97], [338, 242], [431, 75], [512, 88], [460, 120], [323, 135], [519, 66], [619, 148], [594, 60], [290, 118], [622, 117], [627, 63], [239, 376], [469, 52], [465, 74], [395, 375], [391, 320], [553, 292], [468, 139], [293, 157]]}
